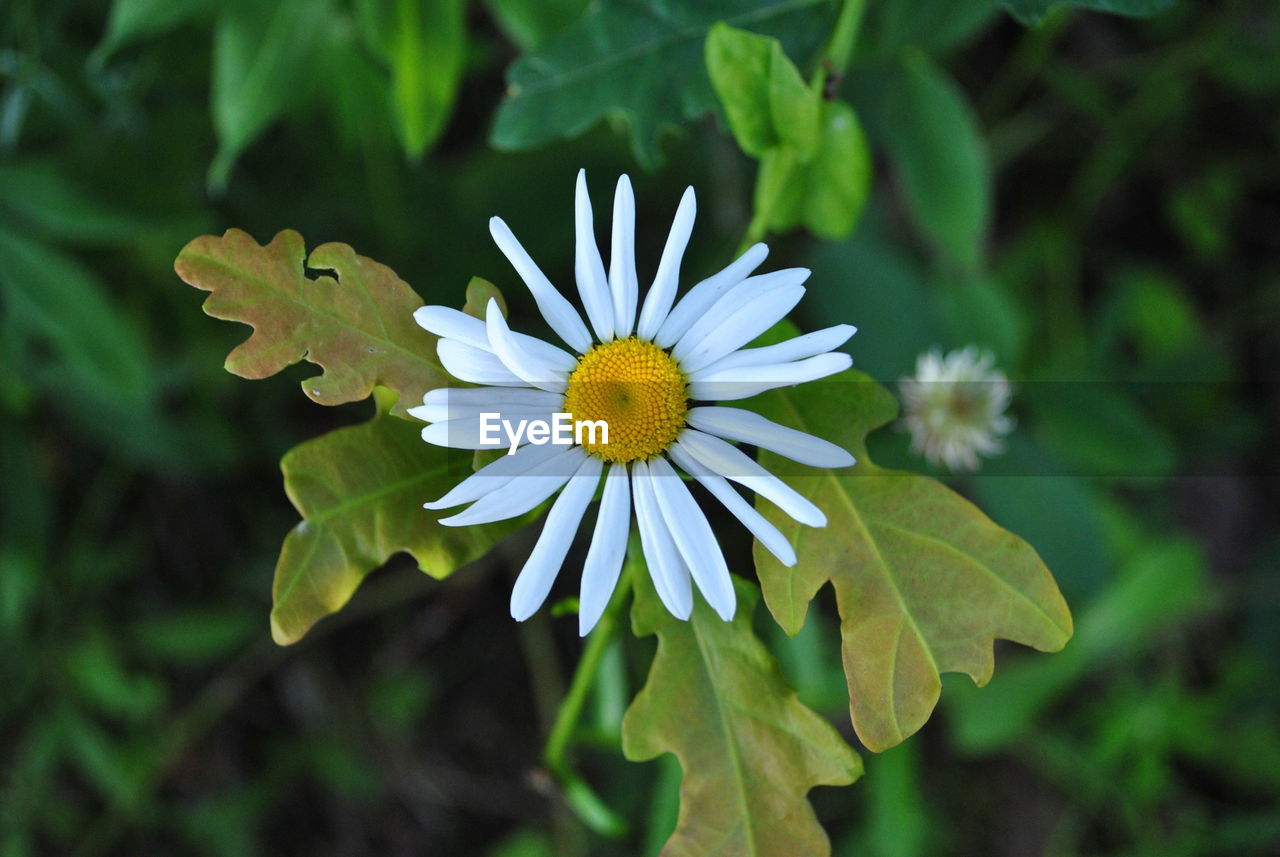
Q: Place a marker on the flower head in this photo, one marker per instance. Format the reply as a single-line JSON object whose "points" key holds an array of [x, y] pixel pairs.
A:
{"points": [[954, 407], [640, 374]]}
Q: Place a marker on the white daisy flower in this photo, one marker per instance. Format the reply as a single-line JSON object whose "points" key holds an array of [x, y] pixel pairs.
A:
{"points": [[955, 406], [643, 370]]}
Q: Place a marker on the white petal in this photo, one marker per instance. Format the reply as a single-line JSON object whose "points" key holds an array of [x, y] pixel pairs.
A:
{"points": [[608, 548], [747, 381], [749, 427], [445, 403], [693, 537], [478, 397], [719, 487], [553, 355], [496, 475], [588, 267], [521, 494], [745, 293], [732, 463], [466, 433], [450, 323], [796, 348], [662, 294], [741, 326], [558, 312], [428, 413], [670, 576], [548, 554], [623, 283], [438, 415], [522, 364], [474, 365], [699, 299]]}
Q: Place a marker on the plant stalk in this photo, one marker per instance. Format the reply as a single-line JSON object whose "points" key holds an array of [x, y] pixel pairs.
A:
{"points": [[585, 803]]}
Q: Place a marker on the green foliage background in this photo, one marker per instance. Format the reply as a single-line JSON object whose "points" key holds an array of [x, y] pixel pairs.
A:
{"points": [[1097, 200]]}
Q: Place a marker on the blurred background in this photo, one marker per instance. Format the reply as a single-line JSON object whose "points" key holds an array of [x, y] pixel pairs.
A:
{"points": [[1129, 285]]}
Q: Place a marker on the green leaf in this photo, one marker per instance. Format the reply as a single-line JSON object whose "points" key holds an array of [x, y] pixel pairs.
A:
{"points": [[360, 491], [981, 310], [194, 635], [827, 194], [264, 58], [924, 582], [1159, 588], [796, 109], [931, 25], [1157, 312], [63, 333], [531, 23], [1057, 513], [641, 60], [357, 325], [838, 180], [96, 672], [43, 196], [524, 843], [1033, 11], [479, 292], [882, 290], [938, 152], [426, 49], [115, 767], [776, 117], [1101, 427], [899, 823], [21, 581], [66, 307], [353, 81], [780, 190], [133, 20], [750, 750], [764, 97], [738, 63]]}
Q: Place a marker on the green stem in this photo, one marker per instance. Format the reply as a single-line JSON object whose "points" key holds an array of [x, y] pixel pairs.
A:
{"points": [[576, 699], [831, 65], [585, 803], [844, 36]]}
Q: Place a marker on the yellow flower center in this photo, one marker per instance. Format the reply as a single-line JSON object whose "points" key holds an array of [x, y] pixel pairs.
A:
{"points": [[637, 390]]}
